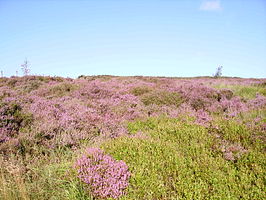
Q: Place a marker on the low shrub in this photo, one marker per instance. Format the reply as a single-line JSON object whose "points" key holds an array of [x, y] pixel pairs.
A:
{"points": [[177, 160], [12, 82], [33, 85], [62, 89], [12, 118], [225, 93], [138, 91], [105, 176], [244, 91], [162, 98]]}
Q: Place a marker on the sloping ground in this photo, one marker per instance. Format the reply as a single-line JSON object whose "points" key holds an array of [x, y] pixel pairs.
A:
{"points": [[193, 138]]}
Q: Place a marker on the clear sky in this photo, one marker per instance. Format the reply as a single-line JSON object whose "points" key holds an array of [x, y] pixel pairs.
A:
{"points": [[134, 37]]}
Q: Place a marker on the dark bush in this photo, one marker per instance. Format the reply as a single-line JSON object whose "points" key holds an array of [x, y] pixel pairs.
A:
{"points": [[61, 89], [162, 98], [199, 103], [225, 93], [12, 118], [12, 82], [138, 91]]}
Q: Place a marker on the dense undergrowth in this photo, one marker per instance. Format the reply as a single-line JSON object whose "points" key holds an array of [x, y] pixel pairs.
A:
{"points": [[159, 138]]}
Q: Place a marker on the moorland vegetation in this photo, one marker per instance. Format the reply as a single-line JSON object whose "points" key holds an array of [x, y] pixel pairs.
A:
{"points": [[109, 137]]}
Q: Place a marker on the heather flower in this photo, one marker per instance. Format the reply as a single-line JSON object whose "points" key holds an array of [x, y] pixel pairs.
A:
{"points": [[104, 176], [258, 102], [202, 117], [232, 152]]}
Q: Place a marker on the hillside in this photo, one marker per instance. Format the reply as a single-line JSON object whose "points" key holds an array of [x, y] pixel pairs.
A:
{"points": [[140, 137]]}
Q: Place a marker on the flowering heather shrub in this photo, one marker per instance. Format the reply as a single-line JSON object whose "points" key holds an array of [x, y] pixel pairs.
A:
{"points": [[258, 102], [11, 120], [229, 107], [69, 111], [198, 96], [202, 117], [105, 176]]}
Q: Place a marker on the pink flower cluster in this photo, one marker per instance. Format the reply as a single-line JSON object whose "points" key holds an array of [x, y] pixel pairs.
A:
{"points": [[105, 176]]}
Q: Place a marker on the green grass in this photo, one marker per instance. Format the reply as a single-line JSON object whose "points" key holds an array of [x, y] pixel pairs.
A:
{"points": [[178, 162], [49, 176], [248, 92], [61, 89], [175, 159], [138, 91], [248, 117]]}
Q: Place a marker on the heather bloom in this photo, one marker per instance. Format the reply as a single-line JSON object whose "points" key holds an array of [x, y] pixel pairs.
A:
{"points": [[259, 101], [202, 117], [66, 112], [105, 176], [232, 152]]}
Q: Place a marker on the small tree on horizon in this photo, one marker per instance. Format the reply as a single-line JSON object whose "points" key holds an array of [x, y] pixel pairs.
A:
{"points": [[25, 68], [218, 72]]}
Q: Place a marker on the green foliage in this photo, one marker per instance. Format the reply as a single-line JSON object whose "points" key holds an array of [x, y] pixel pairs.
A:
{"points": [[262, 84], [62, 89], [248, 117], [98, 77], [168, 158], [177, 161], [238, 133], [12, 82], [32, 85], [14, 116], [42, 178], [138, 91], [161, 98], [245, 91], [234, 132]]}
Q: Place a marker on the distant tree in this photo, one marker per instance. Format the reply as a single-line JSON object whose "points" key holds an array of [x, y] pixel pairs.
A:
{"points": [[25, 68], [218, 72], [2, 73]]}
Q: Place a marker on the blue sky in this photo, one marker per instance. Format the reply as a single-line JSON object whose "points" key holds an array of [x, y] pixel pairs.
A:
{"points": [[147, 37]]}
